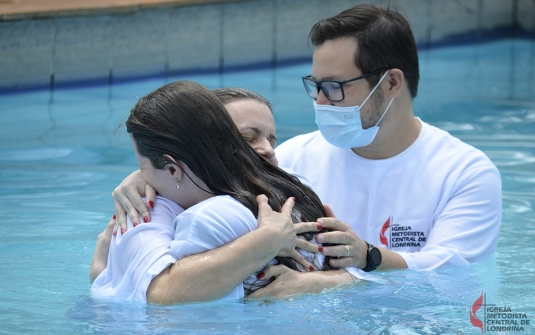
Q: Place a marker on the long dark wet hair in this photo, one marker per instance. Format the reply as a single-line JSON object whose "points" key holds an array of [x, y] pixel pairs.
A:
{"points": [[188, 122]]}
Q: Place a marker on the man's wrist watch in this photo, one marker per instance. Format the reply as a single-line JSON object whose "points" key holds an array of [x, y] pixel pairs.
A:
{"points": [[373, 258]]}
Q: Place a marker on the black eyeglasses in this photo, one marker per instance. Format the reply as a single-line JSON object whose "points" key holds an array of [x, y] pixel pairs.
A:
{"points": [[333, 90]]}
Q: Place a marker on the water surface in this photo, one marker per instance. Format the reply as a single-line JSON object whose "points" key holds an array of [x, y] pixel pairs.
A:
{"points": [[60, 160]]}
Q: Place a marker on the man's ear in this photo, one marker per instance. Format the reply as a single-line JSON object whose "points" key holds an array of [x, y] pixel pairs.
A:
{"points": [[395, 81]]}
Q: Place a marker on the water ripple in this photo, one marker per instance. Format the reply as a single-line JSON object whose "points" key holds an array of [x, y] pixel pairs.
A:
{"points": [[24, 179], [510, 158], [452, 126], [33, 154], [512, 204]]}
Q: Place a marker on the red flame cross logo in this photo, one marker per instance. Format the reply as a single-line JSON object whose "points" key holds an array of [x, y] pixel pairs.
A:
{"points": [[476, 322], [382, 236]]}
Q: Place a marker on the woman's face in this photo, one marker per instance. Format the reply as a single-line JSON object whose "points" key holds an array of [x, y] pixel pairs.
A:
{"points": [[257, 126], [162, 181]]}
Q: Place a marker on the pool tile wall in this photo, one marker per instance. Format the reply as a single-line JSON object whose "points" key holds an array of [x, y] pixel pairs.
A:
{"points": [[526, 14], [26, 53], [450, 20], [194, 38], [139, 43], [247, 33], [293, 22], [86, 57], [168, 40], [492, 13]]}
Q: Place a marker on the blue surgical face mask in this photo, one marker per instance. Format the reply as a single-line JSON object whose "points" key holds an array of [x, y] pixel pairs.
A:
{"points": [[342, 126]]}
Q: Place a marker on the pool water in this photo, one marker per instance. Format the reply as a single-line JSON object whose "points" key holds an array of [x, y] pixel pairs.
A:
{"points": [[60, 160]]}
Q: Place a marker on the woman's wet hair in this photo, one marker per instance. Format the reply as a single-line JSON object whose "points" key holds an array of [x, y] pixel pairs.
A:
{"points": [[230, 94], [188, 122]]}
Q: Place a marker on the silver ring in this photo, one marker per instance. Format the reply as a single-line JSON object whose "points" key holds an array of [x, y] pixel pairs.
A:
{"points": [[347, 247]]}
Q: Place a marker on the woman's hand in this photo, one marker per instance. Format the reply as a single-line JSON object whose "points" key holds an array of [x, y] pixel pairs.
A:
{"points": [[286, 230], [127, 199], [290, 282]]}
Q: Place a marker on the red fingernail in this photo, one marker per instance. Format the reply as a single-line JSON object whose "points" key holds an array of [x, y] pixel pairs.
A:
{"points": [[151, 204], [311, 268], [114, 217], [114, 232], [320, 227], [145, 219], [135, 224], [122, 231], [320, 248], [293, 198], [260, 275]]}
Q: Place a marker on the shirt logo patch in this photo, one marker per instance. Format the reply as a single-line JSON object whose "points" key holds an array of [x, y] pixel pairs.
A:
{"points": [[382, 236], [396, 236]]}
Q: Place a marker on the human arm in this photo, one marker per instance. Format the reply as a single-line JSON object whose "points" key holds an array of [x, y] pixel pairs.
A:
{"points": [[100, 257], [290, 282], [127, 200], [354, 255], [212, 274]]}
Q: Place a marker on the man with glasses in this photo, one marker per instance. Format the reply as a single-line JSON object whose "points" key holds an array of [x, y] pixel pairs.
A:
{"points": [[405, 194]]}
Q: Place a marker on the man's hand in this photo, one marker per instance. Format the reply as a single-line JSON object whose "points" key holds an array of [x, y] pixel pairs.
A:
{"points": [[127, 199], [286, 230], [351, 250], [290, 282]]}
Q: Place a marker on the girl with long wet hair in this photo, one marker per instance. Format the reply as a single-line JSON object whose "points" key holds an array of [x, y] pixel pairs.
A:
{"points": [[191, 152]]}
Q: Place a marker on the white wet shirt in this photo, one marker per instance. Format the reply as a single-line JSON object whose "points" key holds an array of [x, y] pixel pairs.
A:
{"points": [[437, 203], [145, 251], [214, 223], [139, 255]]}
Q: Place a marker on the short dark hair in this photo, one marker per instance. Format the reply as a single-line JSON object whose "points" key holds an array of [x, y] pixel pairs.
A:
{"points": [[229, 94], [384, 40]]}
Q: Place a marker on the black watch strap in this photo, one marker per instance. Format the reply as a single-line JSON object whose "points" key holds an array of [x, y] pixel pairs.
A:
{"points": [[373, 258]]}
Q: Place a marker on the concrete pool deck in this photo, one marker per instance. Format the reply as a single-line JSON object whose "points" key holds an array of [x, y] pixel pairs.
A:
{"points": [[30, 9]]}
